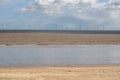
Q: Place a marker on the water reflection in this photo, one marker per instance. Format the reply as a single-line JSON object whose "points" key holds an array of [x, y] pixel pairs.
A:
{"points": [[59, 55]]}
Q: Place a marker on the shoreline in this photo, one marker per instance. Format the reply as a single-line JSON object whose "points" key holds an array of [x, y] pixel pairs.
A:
{"points": [[28, 66], [64, 31]]}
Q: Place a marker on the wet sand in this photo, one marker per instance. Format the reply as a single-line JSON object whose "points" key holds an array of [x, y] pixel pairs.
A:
{"points": [[42, 38], [60, 73]]}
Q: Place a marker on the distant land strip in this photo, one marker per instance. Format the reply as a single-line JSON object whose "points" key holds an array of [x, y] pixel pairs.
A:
{"points": [[64, 31]]}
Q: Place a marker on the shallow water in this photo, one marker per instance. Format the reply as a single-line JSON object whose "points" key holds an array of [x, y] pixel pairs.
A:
{"points": [[59, 55]]}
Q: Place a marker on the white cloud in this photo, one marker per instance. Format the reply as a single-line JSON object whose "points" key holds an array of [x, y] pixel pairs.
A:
{"points": [[71, 1], [55, 6], [90, 1], [44, 2], [48, 2], [83, 9], [113, 4]]}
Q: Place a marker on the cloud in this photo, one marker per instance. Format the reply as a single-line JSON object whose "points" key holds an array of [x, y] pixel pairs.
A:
{"points": [[48, 2], [112, 8], [4, 1], [57, 6], [113, 4], [86, 10], [44, 2]]}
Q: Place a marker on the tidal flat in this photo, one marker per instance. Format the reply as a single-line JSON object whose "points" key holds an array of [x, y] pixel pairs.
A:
{"points": [[50, 38]]}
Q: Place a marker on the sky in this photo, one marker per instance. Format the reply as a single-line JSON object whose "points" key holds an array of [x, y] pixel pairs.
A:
{"points": [[60, 14]]}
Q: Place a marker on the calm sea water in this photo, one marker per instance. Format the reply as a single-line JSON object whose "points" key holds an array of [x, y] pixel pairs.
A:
{"points": [[59, 55]]}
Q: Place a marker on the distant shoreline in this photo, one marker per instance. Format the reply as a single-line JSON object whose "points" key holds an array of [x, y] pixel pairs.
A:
{"points": [[64, 31]]}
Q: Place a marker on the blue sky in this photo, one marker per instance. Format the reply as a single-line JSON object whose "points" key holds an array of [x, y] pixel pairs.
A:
{"points": [[60, 14]]}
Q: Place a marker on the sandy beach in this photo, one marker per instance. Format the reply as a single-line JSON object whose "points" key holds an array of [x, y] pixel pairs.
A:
{"points": [[61, 73], [58, 39]]}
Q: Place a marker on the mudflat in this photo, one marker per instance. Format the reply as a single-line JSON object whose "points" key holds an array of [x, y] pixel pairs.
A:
{"points": [[42, 38], [60, 73]]}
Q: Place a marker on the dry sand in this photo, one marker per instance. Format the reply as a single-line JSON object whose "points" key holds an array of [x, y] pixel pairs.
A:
{"points": [[58, 39], [60, 73]]}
